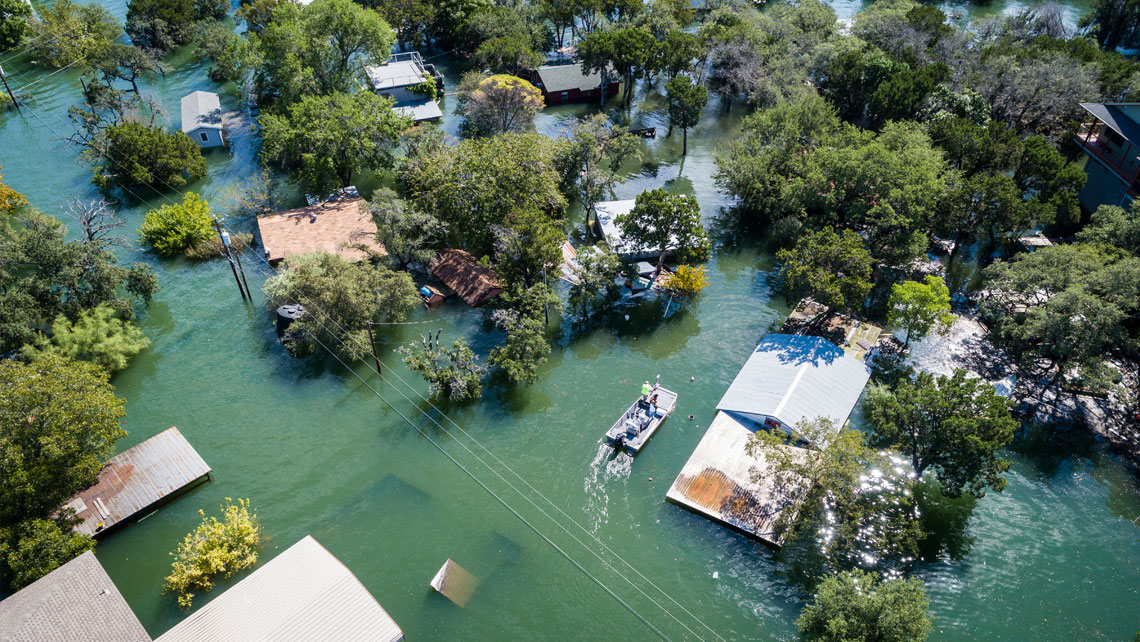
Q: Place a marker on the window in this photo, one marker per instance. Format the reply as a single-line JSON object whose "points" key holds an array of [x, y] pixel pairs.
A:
{"points": [[205, 137], [565, 95]]}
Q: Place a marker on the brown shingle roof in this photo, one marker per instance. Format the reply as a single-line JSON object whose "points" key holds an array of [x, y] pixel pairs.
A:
{"points": [[472, 282], [338, 225]]}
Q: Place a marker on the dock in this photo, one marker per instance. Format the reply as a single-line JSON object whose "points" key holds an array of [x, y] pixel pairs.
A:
{"points": [[724, 483], [340, 226], [854, 336], [136, 480]]}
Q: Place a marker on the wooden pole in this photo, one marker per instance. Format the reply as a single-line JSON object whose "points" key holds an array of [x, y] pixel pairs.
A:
{"points": [[229, 257], [15, 102], [237, 255], [372, 340]]}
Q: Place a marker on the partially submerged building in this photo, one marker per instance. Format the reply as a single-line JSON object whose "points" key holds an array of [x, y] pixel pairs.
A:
{"points": [[1111, 154], [202, 118], [305, 593], [137, 480], [607, 226], [403, 80], [461, 273], [571, 83], [341, 226]]}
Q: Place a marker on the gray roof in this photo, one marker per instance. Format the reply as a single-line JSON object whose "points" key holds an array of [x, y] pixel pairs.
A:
{"points": [[395, 73], [201, 110], [419, 111], [793, 377], [302, 594], [556, 78], [76, 601], [1115, 118]]}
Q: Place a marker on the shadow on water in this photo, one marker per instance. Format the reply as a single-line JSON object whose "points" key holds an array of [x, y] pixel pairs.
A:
{"points": [[1048, 447], [944, 520]]}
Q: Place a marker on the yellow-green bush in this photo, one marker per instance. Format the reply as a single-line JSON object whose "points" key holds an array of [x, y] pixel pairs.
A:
{"points": [[174, 228], [215, 548]]}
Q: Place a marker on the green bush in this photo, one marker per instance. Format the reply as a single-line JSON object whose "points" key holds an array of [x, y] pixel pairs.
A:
{"points": [[98, 336], [214, 548], [35, 547], [171, 229]]}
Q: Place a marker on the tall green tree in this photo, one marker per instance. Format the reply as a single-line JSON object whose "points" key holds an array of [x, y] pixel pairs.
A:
{"points": [[326, 140], [526, 244], [596, 283], [833, 268], [525, 349], [450, 371], [953, 426], [409, 235], [918, 308], [590, 156], [857, 606], [14, 28], [1114, 23], [68, 33], [626, 51], [99, 336], [162, 25], [498, 104], [132, 154], [686, 100], [664, 223], [1111, 225]]}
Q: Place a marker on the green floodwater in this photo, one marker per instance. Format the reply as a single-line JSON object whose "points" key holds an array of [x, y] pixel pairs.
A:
{"points": [[1053, 558]]}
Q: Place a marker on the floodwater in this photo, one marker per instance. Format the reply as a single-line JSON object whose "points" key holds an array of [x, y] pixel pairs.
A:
{"points": [[568, 541]]}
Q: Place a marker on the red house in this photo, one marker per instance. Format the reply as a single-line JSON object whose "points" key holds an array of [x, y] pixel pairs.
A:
{"points": [[568, 83]]}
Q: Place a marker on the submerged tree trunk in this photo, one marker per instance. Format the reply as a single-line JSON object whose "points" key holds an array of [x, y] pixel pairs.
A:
{"points": [[685, 141]]}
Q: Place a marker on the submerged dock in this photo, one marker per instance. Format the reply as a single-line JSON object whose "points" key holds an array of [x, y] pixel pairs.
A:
{"points": [[136, 480]]}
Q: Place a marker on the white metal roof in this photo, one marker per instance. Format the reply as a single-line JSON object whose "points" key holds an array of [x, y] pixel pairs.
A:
{"points": [[201, 110], [793, 377], [393, 74], [419, 111], [304, 593]]}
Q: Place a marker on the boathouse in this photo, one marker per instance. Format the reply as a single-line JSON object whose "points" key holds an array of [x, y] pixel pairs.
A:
{"points": [[136, 480], [794, 377], [570, 83], [305, 593], [341, 226], [402, 79], [76, 601], [459, 271], [202, 118], [607, 213]]}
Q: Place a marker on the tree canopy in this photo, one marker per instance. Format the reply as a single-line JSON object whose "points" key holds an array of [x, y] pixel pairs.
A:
{"points": [[858, 606], [918, 308], [686, 100], [664, 222], [498, 104], [13, 23], [835, 269], [132, 154]]}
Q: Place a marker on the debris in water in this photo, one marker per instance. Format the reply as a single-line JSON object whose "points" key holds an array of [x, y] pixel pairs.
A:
{"points": [[650, 479], [716, 575], [690, 417], [692, 378], [455, 583]]}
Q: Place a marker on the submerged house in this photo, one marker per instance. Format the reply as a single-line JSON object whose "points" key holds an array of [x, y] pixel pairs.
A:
{"points": [[341, 226], [403, 80], [607, 213], [460, 272], [202, 118], [570, 83], [305, 593], [1111, 142]]}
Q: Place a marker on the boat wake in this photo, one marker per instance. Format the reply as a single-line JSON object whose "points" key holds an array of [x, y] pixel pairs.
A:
{"points": [[607, 465]]}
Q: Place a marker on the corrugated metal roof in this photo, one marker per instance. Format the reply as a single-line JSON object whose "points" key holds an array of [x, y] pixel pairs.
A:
{"points": [[556, 78], [717, 481], [419, 111], [607, 214], [136, 479], [201, 110], [76, 601], [393, 74], [304, 593], [796, 377]]}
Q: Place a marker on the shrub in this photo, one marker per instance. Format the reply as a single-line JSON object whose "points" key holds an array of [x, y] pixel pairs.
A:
{"points": [[686, 281], [451, 372], [158, 157], [175, 228], [214, 548]]}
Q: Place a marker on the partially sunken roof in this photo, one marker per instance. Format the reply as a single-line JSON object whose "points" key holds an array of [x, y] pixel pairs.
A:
{"points": [[76, 601], [555, 78], [607, 215], [795, 377], [718, 481], [305, 593], [136, 479], [472, 282], [336, 226], [201, 110]]}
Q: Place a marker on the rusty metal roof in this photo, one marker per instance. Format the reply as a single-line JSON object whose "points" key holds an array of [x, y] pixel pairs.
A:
{"points": [[305, 593], [137, 479], [460, 271], [718, 482]]}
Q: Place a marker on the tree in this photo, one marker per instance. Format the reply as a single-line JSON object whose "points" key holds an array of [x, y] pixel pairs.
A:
{"points": [[686, 282], [135, 154], [125, 63], [13, 23], [835, 503], [526, 245], [99, 336], [666, 222], [1111, 225], [175, 228], [340, 300], [686, 100], [1114, 23], [35, 547], [857, 606], [451, 372], [408, 234], [216, 547], [11, 201], [96, 220], [254, 196], [511, 54], [833, 268], [526, 347], [918, 308], [325, 140], [67, 33], [499, 104], [627, 51], [951, 425], [590, 158], [479, 183], [162, 25], [984, 203], [596, 278]]}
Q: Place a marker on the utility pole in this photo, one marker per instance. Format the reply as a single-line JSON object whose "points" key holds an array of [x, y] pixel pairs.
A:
{"points": [[545, 305], [15, 102], [237, 255], [372, 340], [225, 238]]}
